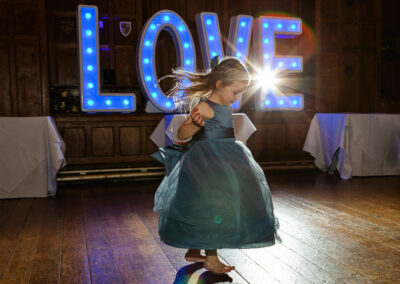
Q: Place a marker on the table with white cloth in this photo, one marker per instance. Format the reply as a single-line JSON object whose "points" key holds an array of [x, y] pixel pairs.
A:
{"points": [[32, 152], [166, 132], [355, 144]]}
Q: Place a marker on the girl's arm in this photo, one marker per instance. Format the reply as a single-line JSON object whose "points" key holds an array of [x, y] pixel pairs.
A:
{"points": [[189, 128]]}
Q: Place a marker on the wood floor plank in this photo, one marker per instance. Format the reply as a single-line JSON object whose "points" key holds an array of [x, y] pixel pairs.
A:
{"points": [[280, 270], [376, 247], [47, 260], [11, 230], [324, 200], [131, 265], [102, 264], [357, 225], [333, 231], [359, 248], [146, 245], [302, 265], [342, 272], [20, 263], [6, 207], [74, 259], [246, 267]]}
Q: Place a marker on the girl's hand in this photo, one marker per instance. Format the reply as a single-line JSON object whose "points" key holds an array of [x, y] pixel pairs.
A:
{"points": [[197, 118]]}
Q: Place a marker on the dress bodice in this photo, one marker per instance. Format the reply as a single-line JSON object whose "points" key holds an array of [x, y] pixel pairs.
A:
{"points": [[219, 126], [222, 116]]}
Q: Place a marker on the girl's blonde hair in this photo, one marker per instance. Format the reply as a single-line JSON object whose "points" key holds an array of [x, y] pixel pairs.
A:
{"points": [[202, 85]]}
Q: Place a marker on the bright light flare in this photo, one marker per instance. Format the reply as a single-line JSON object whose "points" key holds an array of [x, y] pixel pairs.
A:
{"points": [[266, 79]]}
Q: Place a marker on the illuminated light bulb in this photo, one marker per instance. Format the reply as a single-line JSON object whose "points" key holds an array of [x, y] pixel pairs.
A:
{"points": [[152, 26], [267, 102], [295, 102], [154, 94], [90, 102], [88, 32], [281, 102], [243, 24], [168, 104], [88, 16], [279, 26], [265, 25], [89, 50], [148, 78], [108, 102], [266, 55], [213, 54], [280, 64], [181, 28], [188, 62], [211, 37], [240, 39], [186, 45], [266, 41], [293, 27], [208, 22], [166, 18], [238, 54], [90, 85], [90, 68], [146, 61], [147, 43], [294, 64], [126, 102]]}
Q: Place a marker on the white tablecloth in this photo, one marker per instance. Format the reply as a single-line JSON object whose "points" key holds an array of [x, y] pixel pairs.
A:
{"points": [[166, 131], [32, 152], [355, 144]]}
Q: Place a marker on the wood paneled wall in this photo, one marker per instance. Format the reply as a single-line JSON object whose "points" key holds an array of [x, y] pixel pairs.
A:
{"points": [[103, 140], [23, 58], [38, 52], [348, 55]]}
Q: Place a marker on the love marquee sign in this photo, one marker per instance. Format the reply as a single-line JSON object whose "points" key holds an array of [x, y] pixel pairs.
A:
{"points": [[264, 30]]}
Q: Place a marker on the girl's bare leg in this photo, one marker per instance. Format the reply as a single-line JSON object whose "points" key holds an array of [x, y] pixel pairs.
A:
{"points": [[194, 255], [213, 264]]}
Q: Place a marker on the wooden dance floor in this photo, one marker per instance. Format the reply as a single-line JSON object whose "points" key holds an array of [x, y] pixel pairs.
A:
{"points": [[333, 231]]}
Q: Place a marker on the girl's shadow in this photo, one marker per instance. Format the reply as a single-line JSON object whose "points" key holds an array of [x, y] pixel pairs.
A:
{"points": [[183, 275]]}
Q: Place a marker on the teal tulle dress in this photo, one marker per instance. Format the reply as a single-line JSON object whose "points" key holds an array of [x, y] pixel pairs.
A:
{"points": [[214, 194]]}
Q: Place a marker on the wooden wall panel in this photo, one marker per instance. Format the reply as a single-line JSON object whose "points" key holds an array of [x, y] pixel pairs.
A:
{"points": [[347, 33], [349, 81], [125, 7], [23, 58], [5, 80], [3, 19], [27, 15], [67, 66], [102, 141], [125, 66], [109, 142], [28, 78], [130, 141], [368, 89], [267, 139], [151, 147], [74, 138], [297, 133]]}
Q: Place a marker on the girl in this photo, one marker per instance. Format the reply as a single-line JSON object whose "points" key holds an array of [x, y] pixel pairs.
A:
{"points": [[214, 194]]}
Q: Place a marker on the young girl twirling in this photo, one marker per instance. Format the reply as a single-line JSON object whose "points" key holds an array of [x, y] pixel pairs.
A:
{"points": [[214, 194]]}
